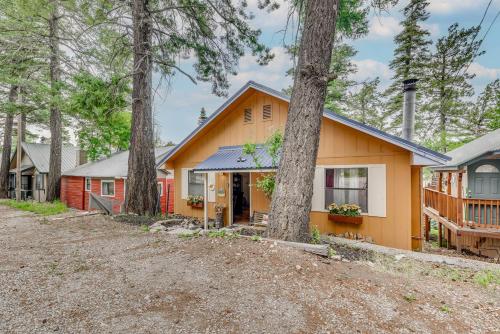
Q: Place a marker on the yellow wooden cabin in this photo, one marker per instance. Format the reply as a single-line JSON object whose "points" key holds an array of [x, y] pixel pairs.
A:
{"points": [[356, 164]]}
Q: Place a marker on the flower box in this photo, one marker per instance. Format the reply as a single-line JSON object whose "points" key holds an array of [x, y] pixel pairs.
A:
{"points": [[195, 205], [345, 219]]}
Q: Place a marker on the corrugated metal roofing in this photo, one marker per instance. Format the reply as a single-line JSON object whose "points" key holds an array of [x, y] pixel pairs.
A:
{"points": [[420, 150], [114, 166], [229, 158], [39, 155], [460, 156]]}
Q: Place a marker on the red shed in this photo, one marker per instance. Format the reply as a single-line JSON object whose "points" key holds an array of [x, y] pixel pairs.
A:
{"points": [[106, 178]]}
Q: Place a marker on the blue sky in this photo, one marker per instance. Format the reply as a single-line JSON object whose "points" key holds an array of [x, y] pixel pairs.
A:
{"points": [[178, 102]]}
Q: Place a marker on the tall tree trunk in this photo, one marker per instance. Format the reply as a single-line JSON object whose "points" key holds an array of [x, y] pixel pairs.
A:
{"points": [[291, 203], [7, 145], [54, 177], [142, 192]]}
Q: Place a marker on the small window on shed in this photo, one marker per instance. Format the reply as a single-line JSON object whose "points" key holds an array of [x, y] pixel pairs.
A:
{"points": [[267, 112], [247, 115]]}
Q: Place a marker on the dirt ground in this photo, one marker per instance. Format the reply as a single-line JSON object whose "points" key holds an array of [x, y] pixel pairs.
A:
{"points": [[95, 275]]}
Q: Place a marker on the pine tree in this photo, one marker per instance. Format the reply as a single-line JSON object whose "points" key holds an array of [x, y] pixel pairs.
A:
{"points": [[484, 114], [449, 86], [411, 57], [203, 116], [366, 104], [343, 67]]}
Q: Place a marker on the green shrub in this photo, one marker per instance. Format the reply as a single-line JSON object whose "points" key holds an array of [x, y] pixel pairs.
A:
{"points": [[315, 235]]}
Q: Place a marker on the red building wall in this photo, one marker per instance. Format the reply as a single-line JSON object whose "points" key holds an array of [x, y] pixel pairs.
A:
{"points": [[73, 193]]}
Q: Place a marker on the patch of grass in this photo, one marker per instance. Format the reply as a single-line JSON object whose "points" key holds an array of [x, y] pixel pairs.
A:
{"points": [[217, 234], [445, 309], [44, 209], [331, 252], [53, 269], [189, 235], [223, 234], [315, 235], [144, 228], [256, 238], [410, 298], [486, 278]]}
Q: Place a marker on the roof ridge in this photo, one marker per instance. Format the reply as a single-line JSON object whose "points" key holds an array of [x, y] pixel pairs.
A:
{"points": [[411, 146]]}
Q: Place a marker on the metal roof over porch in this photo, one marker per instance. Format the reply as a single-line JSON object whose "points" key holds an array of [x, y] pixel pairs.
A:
{"points": [[232, 158]]}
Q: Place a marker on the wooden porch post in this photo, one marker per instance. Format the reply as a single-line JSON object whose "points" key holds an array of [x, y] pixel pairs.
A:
{"points": [[460, 202], [427, 227], [440, 182], [440, 234], [448, 242], [205, 201]]}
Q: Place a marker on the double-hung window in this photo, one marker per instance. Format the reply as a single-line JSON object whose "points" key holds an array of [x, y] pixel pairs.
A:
{"points": [[108, 188], [195, 184], [347, 186]]}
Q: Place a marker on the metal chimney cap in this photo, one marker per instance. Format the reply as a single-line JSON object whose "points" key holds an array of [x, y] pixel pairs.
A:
{"points": [[410, 84]]}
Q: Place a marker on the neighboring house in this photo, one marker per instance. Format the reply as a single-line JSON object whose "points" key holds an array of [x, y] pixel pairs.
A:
{"points": [[35, 168], [464, 198], [356, 164], [106, 179]]}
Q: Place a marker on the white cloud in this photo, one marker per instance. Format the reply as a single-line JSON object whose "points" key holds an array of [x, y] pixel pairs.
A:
{"points": [[369, 69], [383, 27], [265, 19], [484, 72], [272, 74], [449, 6]]}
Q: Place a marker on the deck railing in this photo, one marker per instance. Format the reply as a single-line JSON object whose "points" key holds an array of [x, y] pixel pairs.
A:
{"points": [[471, 212]]}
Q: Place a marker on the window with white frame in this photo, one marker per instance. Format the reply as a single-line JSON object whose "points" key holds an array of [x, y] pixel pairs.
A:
{"points": [[347, 186], [160, 189], [39, 182], [195, 184], [88, 183], [108, 188]]}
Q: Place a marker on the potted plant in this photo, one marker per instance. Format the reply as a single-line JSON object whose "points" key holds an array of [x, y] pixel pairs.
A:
{"points": [[195, 201], [345, 213]]}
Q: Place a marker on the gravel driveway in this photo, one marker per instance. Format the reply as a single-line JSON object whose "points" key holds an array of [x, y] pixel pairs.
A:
{"points": [[94, 275]]}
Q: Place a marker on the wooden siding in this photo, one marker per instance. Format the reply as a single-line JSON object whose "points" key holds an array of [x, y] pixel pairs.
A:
{"points": [[73, 192], [339, 145]]}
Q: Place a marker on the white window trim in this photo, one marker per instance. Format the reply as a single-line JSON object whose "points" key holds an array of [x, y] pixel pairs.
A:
{"points": [[90, 179], [161, 188], [355, 166], [114, 187], [350, 166], [188, 171]]}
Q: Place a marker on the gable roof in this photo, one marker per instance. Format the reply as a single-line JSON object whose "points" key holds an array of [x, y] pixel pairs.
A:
{"points": [[115, 165], [487, 144], [435, 157], [39, 155]]}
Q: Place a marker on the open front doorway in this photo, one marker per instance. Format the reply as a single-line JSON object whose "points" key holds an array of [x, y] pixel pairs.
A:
{"points": [[241, 198]]}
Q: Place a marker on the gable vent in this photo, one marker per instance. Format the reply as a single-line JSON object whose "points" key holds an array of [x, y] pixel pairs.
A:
{"points": [[247, 115], [267, 112]]}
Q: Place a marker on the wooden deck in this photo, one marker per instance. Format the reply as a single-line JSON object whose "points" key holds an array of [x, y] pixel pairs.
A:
{"points": [[463, 219]]}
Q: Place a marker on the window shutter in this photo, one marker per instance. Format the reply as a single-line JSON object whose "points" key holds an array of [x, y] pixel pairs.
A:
{"points": [[318, 198], [184, 183], [377, 201], [247, 115], [267, 112], [211, 187]]}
